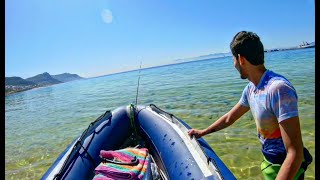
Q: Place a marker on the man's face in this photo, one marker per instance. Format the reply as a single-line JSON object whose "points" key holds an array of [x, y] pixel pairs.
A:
{"points": [[238, 67]]}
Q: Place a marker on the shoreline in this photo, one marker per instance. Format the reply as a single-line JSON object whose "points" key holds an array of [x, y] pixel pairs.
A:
{"points": [[16, 91], [26, 89]]}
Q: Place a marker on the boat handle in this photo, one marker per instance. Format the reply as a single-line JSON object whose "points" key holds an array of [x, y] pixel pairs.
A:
{"points": [[133, 162]]}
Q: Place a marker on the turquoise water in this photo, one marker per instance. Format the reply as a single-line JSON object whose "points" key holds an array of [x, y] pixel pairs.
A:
{"points": [[40, 123]]}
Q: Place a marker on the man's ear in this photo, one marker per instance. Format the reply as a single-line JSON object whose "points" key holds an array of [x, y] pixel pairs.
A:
{"points": [[241, 59]]}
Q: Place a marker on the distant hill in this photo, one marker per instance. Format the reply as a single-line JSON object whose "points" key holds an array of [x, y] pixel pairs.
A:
{"points": [[65, 77], [18, 84], [44, 79], [18, 81], [204, 57]]}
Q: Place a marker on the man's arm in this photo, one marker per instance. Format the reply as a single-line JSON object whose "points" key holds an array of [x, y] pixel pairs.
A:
{"points": [[226, 120], [291, 136]]}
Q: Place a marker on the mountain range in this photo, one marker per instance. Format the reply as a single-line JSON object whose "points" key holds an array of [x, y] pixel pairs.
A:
{"points": [[18, 81], [204, 57], [229, 54], [16, 84], [43, 79], [66, 77]]}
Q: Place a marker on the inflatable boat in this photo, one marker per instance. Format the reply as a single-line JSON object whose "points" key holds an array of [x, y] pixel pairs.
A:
{"points": [[173, 153]]}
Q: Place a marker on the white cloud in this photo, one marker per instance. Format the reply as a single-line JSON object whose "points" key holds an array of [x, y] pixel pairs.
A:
{"points": [[106, 15]]}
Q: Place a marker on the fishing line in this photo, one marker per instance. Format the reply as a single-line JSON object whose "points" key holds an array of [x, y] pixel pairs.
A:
{"points": [[138, 84]]}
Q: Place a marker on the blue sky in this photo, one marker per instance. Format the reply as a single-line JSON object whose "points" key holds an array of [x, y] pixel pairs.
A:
{"points": [[98, 37]]}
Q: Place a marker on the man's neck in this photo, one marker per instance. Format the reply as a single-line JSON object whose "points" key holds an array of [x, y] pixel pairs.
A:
{"points": [[256, 74]]}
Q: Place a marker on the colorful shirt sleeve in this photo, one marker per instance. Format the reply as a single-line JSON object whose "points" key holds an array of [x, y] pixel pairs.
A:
{"points": [[283, 100], [244, 98]]}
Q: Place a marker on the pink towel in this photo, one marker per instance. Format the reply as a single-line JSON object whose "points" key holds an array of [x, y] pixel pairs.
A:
{"points": [[108, 170]]}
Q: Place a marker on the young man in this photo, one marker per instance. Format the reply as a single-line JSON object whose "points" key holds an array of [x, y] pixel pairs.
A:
{"points": [[273, 102]]}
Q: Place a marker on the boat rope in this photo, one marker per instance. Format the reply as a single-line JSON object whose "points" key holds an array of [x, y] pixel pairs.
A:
{"points": [[132, 119], [90, 157], [62, 170], [76, 148]]}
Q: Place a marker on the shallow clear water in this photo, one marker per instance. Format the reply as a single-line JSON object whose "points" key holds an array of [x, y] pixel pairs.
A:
{"points": [[40, 123]]}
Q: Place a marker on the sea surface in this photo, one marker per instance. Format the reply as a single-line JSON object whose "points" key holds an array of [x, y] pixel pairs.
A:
{"points": [[40, 123]]}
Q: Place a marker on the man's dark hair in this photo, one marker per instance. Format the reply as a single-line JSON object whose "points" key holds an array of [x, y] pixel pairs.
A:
{"points": [[248, 44]]}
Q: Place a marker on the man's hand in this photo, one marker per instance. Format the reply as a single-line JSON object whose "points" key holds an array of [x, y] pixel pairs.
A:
{"points": [[196, 132], [226, 120]]}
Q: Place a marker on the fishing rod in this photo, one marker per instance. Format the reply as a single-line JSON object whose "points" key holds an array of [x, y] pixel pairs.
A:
{"points": [[138, 84]]}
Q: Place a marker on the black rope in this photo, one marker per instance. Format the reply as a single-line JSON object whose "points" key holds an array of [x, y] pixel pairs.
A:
{"points": [[90, 157], [67, 162]]}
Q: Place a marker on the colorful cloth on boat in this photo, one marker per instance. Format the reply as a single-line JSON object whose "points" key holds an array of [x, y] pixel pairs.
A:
{"points": [[273, 100], [109, 170]]}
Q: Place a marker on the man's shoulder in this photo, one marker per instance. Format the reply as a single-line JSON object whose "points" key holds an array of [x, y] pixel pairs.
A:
{"points": [[275, 76], [276, 81], [281, 86]]}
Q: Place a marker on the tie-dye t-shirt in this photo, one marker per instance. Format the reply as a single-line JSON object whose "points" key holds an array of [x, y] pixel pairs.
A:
{"points": [[273, 100]]}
